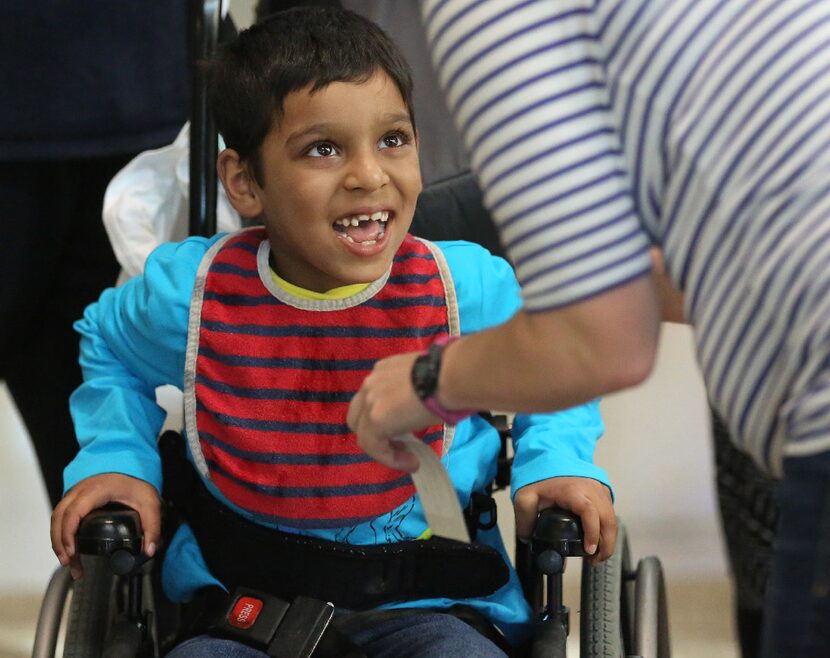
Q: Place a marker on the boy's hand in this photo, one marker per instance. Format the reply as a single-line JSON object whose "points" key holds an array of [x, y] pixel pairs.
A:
{"points": [[585, 497], [95, 492]]}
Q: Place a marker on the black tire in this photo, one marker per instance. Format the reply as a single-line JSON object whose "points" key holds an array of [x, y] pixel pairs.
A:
{"points": [[651, 628], [604, 613], [90, 610]]}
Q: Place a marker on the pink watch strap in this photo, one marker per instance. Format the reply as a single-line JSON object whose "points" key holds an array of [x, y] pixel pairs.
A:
{"points": [[449, 416]]}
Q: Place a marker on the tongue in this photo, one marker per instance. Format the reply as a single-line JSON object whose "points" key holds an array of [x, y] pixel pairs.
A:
{"points": [[364, 231]]}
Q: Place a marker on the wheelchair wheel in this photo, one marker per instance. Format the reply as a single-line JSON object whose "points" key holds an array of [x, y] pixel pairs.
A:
{"points": [[651, 628], [51, 614], [604, 623], [89, 610]]}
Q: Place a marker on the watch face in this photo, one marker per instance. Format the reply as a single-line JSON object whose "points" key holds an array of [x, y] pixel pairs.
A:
{"points": [[425, 373]]}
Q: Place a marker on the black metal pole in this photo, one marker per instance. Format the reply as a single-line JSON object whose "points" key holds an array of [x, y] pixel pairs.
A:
{"points": [[204, 26]]}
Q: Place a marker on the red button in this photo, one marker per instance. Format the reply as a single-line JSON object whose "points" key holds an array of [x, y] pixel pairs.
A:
{"points": [[245, 612]]}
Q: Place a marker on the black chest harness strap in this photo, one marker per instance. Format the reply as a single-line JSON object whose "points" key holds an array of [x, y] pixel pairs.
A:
{"points": [[242, 553]]}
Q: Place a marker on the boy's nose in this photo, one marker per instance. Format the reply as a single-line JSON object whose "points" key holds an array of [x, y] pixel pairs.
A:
{"points": [[365, 173]]}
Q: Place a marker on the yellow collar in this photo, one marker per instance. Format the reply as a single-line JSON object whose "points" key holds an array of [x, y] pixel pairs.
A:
{"points": [[335, 293]]}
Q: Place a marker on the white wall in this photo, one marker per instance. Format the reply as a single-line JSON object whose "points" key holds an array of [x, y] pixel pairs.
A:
{"points": [[26, 559], [658, 452]]}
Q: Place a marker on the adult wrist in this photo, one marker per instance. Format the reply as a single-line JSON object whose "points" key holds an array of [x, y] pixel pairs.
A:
{"points": [[425, 375]]}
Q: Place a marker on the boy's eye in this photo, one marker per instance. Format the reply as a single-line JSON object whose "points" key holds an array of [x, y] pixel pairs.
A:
{"points": [[322, 150], [392, 140]]}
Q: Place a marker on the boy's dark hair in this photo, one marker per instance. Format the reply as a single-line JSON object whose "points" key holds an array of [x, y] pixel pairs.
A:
{"points": [[250, 77]]}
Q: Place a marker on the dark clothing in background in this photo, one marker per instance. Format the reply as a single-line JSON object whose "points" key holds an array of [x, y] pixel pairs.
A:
{"points": [[749, 513], [87, 86], [93, 78]]}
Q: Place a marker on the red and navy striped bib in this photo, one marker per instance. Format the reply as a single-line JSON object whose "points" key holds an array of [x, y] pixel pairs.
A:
{"points": [[269, 378]]}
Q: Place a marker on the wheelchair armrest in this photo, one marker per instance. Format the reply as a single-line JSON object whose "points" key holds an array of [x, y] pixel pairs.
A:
{"points": [[559, 530], [113, 531]]}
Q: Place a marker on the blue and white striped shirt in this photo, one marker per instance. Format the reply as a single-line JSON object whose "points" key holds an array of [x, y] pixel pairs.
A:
{"points": [[599, 126]]}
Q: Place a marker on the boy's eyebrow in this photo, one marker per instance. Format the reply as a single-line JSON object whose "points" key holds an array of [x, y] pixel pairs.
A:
{"points": [[323, 128], [395, 117], [303, 133]]}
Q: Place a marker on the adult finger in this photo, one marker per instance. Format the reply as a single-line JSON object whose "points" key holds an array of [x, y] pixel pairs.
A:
{"points": [[402, 458], [376, 447], [369, 439], [355, 411]]}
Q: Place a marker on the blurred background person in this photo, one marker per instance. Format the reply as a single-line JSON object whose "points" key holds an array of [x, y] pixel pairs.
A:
{"points": [[87, 85]]}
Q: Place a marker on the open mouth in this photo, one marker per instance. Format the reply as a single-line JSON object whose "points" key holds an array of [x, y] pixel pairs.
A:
{"points": [[365, 230]]}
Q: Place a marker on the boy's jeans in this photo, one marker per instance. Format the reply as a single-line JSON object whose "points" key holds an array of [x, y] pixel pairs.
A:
{"points": [[415, 636], [797, 613]]}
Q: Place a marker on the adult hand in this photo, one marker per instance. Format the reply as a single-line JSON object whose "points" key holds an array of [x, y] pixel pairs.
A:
{"points": [[586, 497], [385, 407], [95, 492]]}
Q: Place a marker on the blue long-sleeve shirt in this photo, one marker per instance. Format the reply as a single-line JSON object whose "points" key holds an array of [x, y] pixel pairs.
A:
{"points": [[134, 340]]}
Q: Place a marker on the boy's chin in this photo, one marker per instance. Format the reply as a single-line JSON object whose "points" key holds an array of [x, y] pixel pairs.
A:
{"points": [[369, 273]]}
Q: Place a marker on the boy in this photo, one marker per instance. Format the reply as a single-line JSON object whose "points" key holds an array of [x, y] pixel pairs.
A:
{"points": [[270, 331]]}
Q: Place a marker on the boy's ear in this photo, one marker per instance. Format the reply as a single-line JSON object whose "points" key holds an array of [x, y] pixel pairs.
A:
{"points": [[239, 184]]}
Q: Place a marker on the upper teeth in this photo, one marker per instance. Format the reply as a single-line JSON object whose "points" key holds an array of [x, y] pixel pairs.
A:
{"points": [[379, 216]]}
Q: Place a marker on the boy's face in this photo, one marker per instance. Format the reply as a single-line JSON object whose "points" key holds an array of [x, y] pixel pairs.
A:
{"points": [[346, 154]]}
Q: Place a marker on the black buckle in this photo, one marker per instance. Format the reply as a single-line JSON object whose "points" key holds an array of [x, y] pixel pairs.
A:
{"points": [[301, 629], [505, 461], [482, 506], [273, 625]]}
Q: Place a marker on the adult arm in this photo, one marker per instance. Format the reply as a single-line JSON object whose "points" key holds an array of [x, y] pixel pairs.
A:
{"points": [[490, 305], [527, 88], [534, 362]]}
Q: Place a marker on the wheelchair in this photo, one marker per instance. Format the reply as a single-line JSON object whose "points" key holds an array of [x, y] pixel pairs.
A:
{"points": [[117, 610]]}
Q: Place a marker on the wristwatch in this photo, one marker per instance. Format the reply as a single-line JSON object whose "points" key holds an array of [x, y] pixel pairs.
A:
{"points": [[425, 373]]}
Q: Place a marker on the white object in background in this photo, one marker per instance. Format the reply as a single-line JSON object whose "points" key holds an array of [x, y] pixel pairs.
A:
{"points": [[26, 557], [438, 497], [146, 204]]}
